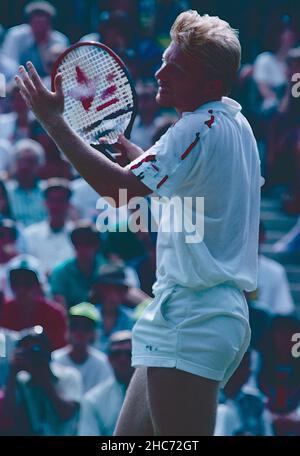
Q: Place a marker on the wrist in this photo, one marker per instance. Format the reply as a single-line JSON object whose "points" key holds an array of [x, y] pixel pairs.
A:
{"points": [[53, 122]]}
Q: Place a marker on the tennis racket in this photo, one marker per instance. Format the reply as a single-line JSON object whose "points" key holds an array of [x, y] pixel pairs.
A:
{"points": [[100, 100]]}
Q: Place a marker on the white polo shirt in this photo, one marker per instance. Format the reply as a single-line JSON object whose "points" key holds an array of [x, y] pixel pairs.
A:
{"points": [[211, 153]]}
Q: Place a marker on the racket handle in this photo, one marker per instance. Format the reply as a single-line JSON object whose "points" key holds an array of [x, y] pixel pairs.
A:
{"points": [[107, 150]]}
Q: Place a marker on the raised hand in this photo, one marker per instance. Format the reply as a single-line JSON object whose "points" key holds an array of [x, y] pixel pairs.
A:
{"points": [[47, 106]]}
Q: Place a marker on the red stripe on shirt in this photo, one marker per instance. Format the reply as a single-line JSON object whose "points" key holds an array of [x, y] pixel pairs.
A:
{"points": [[191, 147], [162, 181], [148, 158]]}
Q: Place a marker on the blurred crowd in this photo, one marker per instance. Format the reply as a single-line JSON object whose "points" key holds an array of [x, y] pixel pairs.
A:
{"points": [[69, 294]]}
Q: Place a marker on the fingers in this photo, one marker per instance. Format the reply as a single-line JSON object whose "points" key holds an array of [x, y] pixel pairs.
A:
{"points": [[58, 84], [34, 76], [121, 139], [124, 141], [29, 84], [26, 80], [23, 90], [129, 146]]}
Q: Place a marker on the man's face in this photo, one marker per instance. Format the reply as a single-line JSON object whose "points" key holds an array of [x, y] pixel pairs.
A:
{"points": [[82, 331], [112, 295], [86, 248], [120, 359], [57, 203], [40, 24], [25, 286], [27, 165], [182, 80]]}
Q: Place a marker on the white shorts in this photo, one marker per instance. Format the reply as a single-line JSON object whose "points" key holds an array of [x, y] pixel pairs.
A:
{"points": [[202, 332]]}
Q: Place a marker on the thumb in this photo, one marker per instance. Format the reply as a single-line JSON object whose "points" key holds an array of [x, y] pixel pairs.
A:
{"points": [[124, 141], [127, 143], [58, 85], [132, 149]]}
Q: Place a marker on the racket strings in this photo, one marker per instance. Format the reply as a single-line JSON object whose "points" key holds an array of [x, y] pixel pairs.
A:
{"points": [[98, 96]]}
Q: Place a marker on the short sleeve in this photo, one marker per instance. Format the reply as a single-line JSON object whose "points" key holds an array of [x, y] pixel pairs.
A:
{"points": [[166, 165], [261, 68]]}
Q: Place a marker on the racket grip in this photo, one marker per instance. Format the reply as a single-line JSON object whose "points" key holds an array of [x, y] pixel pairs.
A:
{"points": [[105, 149]]}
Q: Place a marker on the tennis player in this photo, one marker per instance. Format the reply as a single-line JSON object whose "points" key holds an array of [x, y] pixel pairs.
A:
{"points": [[193, 335]]}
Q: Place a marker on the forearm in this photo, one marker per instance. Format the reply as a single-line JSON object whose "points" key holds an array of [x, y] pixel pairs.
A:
{"points": [[103, 175]]}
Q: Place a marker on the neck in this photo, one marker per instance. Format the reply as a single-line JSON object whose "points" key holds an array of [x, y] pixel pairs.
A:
{"points": [[79, 354], [26, 184], [86, 265], [197, 103], [57, 224], [109, 310]]}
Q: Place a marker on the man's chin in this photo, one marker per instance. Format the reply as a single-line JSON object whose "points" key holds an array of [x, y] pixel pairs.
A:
{"points": [[164, 101]]}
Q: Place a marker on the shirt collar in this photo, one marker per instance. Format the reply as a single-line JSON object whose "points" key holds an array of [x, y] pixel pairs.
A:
{"points": [[226, 104]]}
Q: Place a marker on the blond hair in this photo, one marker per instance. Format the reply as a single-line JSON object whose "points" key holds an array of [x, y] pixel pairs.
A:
{"points": [[211, 40]]}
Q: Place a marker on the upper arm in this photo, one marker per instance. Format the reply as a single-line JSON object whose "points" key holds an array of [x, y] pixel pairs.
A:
{"points": [[169, 163], [132, 185]]}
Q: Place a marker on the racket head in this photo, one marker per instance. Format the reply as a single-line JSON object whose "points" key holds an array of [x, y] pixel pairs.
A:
{"points": [[100, 99]]}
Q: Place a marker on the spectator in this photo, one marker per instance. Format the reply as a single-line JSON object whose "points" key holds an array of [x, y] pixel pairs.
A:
{"points": [[54, 165], [52, 235], [279, 375], [270, 69], [243, 411], [40, 398], [25, 193], [284, 142], [95, 417], [5, 210], [71, 281], [29, 307], [85, 201], [15, 124], [109, 294], [8, 67], [32, 41], [114, 30], [165, 15], [8, 340], [146, 122], [273, 293], [290, 242], [6, 152], [8, 247], [90, 362]]}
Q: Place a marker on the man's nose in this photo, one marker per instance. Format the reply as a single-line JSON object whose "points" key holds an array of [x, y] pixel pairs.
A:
{"points": [[160, 73]]}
